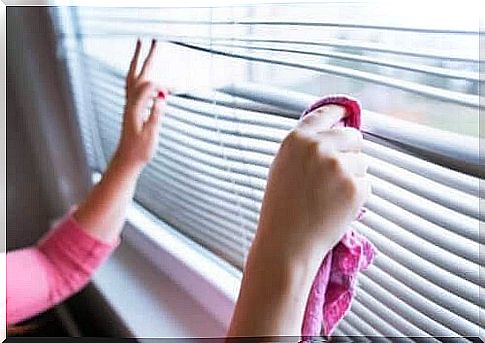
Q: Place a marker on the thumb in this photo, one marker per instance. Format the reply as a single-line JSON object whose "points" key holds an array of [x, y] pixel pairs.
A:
{"points": [[322, 118]]}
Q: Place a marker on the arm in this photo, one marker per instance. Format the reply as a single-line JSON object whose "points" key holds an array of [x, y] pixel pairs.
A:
{"points": [[315, 187], [63, 261], [41, 276], [102, 214]]}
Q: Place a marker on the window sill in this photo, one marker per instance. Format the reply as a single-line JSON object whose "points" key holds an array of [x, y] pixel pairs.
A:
{"points": [[157, 268]]}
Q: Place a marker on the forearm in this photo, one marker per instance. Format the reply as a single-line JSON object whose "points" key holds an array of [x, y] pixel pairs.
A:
{"points": [[274, 292], [103, 212]]}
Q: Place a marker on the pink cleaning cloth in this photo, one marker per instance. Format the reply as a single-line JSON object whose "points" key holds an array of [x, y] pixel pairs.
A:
{"points": [[334, 286]]}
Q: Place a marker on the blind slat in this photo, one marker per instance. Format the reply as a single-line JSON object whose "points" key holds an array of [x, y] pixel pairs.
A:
{"points": [[433, 234], [234, 221], [420, 266], [379, 326], [384, 312], [441, 315], [448, 197], [395, 303], [455, 222], [431, 291]]}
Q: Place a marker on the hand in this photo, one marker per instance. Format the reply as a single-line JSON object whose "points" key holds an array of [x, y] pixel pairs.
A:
{"points": [[102, 213], [316, 186], [139, 136]]}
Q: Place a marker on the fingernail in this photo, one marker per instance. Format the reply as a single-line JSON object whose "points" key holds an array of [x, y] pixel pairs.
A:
{"points": [[161, 95], [362, 213], [154, 41]]}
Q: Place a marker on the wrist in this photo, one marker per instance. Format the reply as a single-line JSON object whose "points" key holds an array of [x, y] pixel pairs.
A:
{"points": [[278, 286], [294, 268], [293, 251], [124, 167]]}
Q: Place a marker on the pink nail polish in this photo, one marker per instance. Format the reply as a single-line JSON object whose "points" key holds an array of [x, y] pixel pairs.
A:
{"points": [[161, 95], [361, 213]]}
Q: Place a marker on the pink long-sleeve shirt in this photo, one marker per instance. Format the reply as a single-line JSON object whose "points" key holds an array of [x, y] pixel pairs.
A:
{"points": [[58, 266]]}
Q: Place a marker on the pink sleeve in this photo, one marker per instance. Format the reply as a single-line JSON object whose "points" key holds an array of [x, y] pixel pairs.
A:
{"points": [[42, 276]]}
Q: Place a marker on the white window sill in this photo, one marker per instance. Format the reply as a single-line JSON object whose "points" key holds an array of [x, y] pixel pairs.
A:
{"points": [[162, 284]]}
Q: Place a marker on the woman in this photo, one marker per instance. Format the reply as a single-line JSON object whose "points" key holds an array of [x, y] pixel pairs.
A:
{"points": [[316, 185]]}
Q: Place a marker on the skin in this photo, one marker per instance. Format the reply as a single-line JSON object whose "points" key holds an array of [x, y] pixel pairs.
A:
{"points": [[103, 212], [316, 185], [315, 188]]}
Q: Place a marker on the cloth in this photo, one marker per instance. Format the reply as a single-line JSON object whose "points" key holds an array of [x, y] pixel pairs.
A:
{"points": [[334, 286], [61, 263]]}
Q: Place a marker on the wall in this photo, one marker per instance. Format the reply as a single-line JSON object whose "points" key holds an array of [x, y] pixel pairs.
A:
{"points": [[27, 213]]}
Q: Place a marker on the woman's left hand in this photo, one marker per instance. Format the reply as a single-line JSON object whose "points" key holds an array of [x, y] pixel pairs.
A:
{"points": [[139, 136], [103, 212]]}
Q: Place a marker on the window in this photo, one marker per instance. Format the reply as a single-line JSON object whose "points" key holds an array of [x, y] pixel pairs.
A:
{"points": [[245, 73]]}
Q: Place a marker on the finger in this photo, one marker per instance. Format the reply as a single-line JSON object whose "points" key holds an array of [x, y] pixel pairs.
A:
{"points": [[363, 190], [322, 118], [163, 93], [153, 122], [134, 61], [344, 139], [147, 65], [353, 163], [144, 94]]}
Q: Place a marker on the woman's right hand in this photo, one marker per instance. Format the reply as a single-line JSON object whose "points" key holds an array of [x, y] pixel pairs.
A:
{"points": [[316, 186]]}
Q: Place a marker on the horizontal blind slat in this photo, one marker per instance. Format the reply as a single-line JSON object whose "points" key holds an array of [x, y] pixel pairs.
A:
{"points": [[229, 201], [458, 224], [448, 197], [403, 309], [380, 327], [456, 180], [420, 266], [205, 225], [423, 228], [426, 250], [214, 189], [439, 314], [374, 305], [428, 289], [211, 208]]}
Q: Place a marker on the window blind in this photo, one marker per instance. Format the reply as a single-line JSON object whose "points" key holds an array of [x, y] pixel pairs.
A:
{"points": [[220, 134]]}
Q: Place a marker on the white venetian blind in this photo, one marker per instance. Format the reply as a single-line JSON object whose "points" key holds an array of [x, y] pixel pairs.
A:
{"points": [[246, 73]]}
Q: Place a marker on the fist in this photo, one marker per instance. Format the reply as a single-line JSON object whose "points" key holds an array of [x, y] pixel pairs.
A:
{"points": [[316, 186]]}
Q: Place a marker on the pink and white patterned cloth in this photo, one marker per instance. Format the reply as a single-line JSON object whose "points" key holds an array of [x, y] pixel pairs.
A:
{"points": [[334, 286]]}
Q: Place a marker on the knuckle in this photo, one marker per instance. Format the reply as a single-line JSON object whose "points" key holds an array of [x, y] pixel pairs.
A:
{"points": [[143, 85], [307, 120], [148, 84], [349, 133], [292, 138], [332, 164], [294, 135], [349, 187], [359, 137], [355, 135], [313, 147]]}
